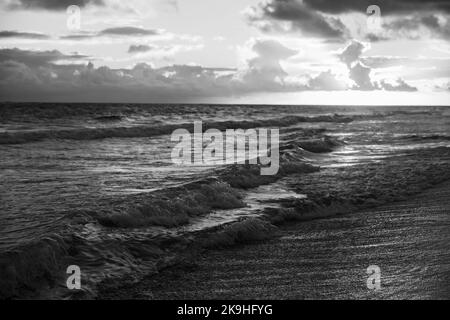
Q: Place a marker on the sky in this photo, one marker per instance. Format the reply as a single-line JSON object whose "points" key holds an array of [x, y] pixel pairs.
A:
{"points": [[350, 52]]}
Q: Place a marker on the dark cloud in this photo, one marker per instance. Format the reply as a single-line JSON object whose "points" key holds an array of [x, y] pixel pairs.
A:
{"points": [[36, 58], [33, 75], [56, 5], [419, 26], [139, 48], [269, 16], [78, 36], [23, 35], [386, 6], [141, 83], [322, 18], [129, 31], [114, 32]]}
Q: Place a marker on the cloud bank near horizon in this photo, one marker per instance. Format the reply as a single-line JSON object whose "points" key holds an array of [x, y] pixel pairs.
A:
{"points": [[32, 74]]}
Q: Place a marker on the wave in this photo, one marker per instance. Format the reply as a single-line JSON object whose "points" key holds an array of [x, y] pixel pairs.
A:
{"points": [[109, 118], [19, 137], [29, 268], [176, 206], [106, 258], [314, 145], [43, 263], [87, 241], [416, 137], [323, 202], [245, 231], [39, 269], [411, 112], [379, 115]]}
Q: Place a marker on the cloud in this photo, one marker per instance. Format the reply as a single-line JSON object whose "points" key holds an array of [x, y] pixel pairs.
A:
{"points": [[272, 50], [129, 31], [55, 5], [401, 85], [39, 75], [294, 16], [125, 31], [81, 36], [352, 52], [418, 26], [264, 70], [46, 76], [326, 81], [360, 73], [423, 69], [139, 48], [333, 20], [23, 35], [36, 58], [387, 6], [88, 83], [161, 52]]}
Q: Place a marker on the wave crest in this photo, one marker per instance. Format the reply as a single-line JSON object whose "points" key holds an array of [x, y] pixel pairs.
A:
{"points": [[149, 131]]}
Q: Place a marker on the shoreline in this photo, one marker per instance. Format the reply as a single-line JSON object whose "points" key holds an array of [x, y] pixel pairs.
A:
{"points": [[282, 267]]}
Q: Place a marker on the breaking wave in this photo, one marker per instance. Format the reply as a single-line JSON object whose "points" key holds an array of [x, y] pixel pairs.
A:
{"points": [[87, 241], [152, 241]]}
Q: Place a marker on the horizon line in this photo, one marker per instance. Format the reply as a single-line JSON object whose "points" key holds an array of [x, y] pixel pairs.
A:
{"points": [[232, 104]]}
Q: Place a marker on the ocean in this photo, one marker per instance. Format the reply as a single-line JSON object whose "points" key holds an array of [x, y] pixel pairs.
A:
{"points": [[94, 185]]}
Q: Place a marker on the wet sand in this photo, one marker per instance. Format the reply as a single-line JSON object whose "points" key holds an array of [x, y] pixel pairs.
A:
{"points": [[324, 259]]}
